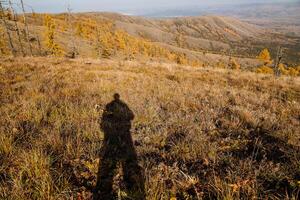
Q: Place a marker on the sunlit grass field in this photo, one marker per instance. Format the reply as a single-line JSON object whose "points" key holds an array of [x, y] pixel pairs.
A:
{"points": [[200, 133]]}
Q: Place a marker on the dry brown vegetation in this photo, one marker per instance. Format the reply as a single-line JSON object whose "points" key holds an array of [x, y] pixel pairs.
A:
{"points": [[200, 133], [196, 41]]}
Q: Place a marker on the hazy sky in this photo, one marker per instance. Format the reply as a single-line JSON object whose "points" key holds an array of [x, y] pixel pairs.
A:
{"points": [[130, 6]]}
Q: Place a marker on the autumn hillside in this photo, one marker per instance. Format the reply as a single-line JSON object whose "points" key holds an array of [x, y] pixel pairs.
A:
{"points": [[198, 41]]}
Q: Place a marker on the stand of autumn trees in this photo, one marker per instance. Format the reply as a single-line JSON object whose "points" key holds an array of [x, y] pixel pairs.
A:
{"points": [[52, 47], [110, 41], [102, 34], [269, 68]]}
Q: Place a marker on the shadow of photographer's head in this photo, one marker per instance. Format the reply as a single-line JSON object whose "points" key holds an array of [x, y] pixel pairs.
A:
{"points": [[117, 97], [117, 111]]}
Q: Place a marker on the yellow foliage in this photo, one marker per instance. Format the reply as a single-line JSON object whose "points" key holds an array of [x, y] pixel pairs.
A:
{"points": [[293, 72], [120, 40], [196, 63], [264, 55], [104, 40], [52, 47], [79, 29], [7, 14], [220, 64], [265, 70], [181, 59], [106, 53], [3, 45], [290, 71], [282, 69], [234, 64], [88, 28]]}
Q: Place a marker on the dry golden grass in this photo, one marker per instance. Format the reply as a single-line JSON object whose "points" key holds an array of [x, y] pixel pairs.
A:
{"points": [[200, 133]]}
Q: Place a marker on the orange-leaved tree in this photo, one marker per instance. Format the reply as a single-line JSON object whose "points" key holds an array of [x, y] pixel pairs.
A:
{"points": [[3, 45], [52, 46], [234, 64], [265, 70], [265, 56], [291, 71], [181, 59]]}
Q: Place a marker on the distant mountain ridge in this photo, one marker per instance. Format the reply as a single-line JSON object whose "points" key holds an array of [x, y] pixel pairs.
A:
{"points": [[242, 10], [280, 16]]}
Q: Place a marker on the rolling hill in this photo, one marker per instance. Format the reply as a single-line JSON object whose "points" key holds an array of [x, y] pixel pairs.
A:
{"points": [[205, 39], [210, 33]]}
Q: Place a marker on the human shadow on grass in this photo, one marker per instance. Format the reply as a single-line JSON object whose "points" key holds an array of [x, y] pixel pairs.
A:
{"points": [[117, 148]]}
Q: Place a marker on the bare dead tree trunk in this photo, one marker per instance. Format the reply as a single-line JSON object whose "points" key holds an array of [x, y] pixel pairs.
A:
{"points": [[98, 43], [229, 65], [13, 50], [74, 49], [278, 60], [26, 28], [17, 28], [37, 35]]}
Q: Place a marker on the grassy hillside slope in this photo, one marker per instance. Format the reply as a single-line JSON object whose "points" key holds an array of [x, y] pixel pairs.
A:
{"points": [[202, 41], [199, 133], [218, 34]]}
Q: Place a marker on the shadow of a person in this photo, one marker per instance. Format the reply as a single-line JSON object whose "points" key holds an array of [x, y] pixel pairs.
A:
{"points": [[117, 148]]}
